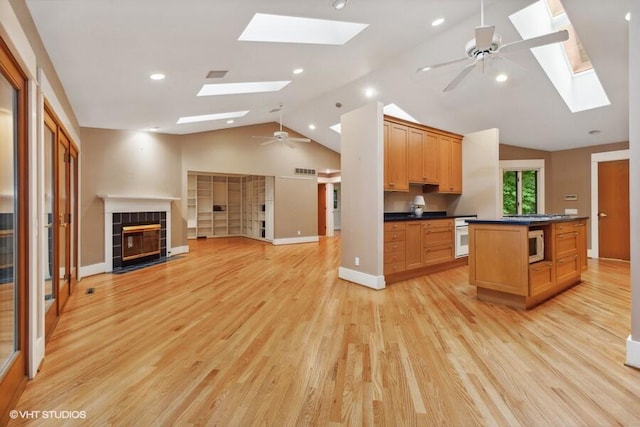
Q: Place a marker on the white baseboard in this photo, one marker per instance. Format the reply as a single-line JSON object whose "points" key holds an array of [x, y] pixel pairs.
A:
{"points": [[92, 270], [633, 353], [179, 250], [360, 278], [293, 240]]}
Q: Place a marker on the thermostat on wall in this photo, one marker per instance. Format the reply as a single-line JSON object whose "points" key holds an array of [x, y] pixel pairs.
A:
{"points": [[571, 197]]}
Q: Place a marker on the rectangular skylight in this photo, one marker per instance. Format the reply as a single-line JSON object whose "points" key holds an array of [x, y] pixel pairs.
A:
{"points": [[208, 117], [238, 88], [581, 91], [290, 29]]}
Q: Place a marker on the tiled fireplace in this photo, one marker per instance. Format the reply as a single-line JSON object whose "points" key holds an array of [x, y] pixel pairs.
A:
{"points": [[135, 213]]}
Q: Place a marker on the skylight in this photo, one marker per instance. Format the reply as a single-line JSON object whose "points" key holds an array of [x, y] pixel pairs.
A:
{"points": [[576, 81], [208, 117], [238, 88], [289, 29]]}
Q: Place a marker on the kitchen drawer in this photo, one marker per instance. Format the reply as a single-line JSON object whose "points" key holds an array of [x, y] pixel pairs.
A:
{"points": [[540, 277], [438, 254], [394, 236], [568, 270], [566, 244], [395, 226], [438, 223], [433, 236], [395, 267], [393, 257], [394, 246]]}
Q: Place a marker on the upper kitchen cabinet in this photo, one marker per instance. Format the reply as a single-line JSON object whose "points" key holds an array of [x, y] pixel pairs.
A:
{"points": [[450, 165], [424, 157], [396, 143]]}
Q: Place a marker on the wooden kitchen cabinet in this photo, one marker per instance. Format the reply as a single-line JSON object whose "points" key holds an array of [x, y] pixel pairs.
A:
{"points": [[499, 260], [394, 247], [414, 245], [565, 253], [424, 157], [450, 165], [581, 228], [438, 241], [396, 145]]}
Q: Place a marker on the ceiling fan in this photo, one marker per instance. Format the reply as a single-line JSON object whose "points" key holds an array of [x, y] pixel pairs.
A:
{"points": [[487, 45], [280, 135]]}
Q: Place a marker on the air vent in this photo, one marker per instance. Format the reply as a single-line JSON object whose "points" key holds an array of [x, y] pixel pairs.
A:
{"points": [[301, 171], [217, 74]]}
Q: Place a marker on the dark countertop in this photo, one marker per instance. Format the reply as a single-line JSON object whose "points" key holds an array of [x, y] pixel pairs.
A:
{"points": [[528, 219], [408, 216]]}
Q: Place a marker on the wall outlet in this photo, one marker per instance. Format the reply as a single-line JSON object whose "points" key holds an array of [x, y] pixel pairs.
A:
{"points": [[357, 260], [571, 211]]}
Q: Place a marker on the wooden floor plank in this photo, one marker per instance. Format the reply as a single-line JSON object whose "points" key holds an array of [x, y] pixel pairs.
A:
{"points": [[240, 332]]}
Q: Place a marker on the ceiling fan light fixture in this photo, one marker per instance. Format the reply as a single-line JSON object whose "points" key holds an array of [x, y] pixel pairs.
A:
{"points": [[339, 4]]}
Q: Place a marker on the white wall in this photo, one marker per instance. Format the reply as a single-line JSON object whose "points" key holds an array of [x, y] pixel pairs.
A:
{"points": [[633, 342], [362, 196], [480, 175]]}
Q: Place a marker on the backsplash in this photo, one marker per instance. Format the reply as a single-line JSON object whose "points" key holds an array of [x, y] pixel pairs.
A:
{"points": [[395, 201]]}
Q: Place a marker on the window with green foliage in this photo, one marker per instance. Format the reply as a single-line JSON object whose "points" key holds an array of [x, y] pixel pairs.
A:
{"points": [[519, 192]]}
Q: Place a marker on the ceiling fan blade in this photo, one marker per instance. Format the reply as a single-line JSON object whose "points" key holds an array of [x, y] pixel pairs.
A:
{"points": [[484, 37], [559, 36], [289, 143], [299, 139], [442, 64], [268, 142], [465, 71]]}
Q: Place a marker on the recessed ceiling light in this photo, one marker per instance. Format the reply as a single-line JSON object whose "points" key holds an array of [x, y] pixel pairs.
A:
{"points": [[230, 121], [628, 16], [437, 22], [369, 92], [290, 29], [298, 71], [502, 78], [237, 88], [207, 117], [157, 76], [339, 4], [312, 126]]}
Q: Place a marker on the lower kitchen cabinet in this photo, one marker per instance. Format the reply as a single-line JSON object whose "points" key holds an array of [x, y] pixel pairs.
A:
{"points": [[426, 246]]}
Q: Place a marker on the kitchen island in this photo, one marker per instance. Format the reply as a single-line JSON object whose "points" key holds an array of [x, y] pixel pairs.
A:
{"points": [[499, 257]]}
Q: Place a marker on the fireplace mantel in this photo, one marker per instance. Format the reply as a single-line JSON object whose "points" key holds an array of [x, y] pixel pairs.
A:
{"points": [[124, 203]]}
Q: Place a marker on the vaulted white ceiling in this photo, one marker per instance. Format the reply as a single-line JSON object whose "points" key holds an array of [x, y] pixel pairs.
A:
{"points": [[104, 52]]}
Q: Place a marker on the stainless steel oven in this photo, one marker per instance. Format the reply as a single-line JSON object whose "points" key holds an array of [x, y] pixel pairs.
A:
{"points": [[462, 236]]}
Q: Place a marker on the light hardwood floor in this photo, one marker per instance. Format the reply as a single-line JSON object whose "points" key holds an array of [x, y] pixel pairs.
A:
{"points": [[242, 333]]}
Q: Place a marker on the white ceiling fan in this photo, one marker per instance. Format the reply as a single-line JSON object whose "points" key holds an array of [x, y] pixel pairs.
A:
{"points": [[487, 45], [280, 135]]}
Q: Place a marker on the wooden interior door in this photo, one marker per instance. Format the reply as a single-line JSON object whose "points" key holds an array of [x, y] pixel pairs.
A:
{"points": [[50, 283], [613, 209], [322, 209]]}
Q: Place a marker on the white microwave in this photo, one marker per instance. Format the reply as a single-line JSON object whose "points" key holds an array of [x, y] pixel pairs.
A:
{"points": [[536, 245]]}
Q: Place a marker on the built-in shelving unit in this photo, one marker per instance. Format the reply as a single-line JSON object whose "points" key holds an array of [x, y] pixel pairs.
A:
{"points": [[229, 205]]}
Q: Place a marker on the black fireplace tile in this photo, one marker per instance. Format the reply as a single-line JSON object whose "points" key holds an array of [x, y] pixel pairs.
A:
{"points": [[163, 233], [163, 252], [117, 262], [117, 218], [117, 229], [117, 240], [163, 215], [156, 217]]}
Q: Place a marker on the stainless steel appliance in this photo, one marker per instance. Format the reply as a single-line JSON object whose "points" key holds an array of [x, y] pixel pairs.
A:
{"points": [[462, 236]]}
